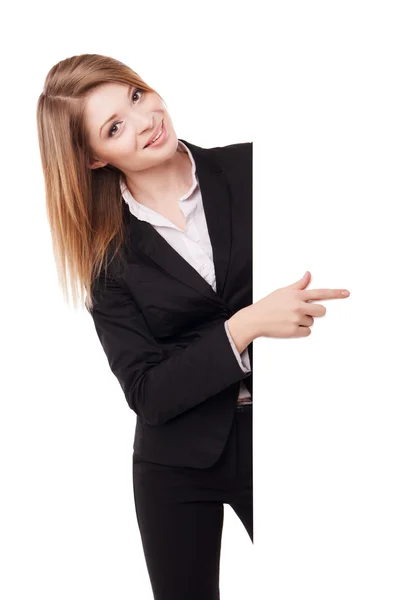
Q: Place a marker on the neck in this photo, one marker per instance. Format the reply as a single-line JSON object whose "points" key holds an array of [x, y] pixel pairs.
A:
{"points": [[163, 184]]}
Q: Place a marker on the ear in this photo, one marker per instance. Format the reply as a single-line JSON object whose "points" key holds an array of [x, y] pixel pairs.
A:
{"points": [[96, 164]]}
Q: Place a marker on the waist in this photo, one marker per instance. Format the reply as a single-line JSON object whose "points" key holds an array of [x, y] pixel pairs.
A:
{"points": [[246, 400]]}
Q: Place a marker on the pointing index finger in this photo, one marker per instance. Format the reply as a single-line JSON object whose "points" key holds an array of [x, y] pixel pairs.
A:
{"points": [[325, 294]]}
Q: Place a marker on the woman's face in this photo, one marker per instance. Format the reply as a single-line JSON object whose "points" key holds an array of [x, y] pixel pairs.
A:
{"points": [[136, 118]]}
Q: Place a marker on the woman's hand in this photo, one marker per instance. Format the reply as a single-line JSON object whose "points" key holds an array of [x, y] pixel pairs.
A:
{"points": [[287, 312]]}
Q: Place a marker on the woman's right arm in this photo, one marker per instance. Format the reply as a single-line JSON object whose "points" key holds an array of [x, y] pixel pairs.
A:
{"points": [[284, 313], [243, 327], [157, 386]]}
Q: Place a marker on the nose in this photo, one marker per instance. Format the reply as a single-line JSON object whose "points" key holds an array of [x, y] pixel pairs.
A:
{"points": [[144, 123]]}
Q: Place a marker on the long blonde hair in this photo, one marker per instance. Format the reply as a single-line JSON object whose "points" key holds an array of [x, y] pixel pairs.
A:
{"points": [[84, 206]]}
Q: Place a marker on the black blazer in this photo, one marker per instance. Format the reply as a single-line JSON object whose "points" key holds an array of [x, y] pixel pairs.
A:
{"points": [[161, 324]]}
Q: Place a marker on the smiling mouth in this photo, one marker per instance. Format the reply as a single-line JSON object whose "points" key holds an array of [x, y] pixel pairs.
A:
{"points": [[157, 136]]}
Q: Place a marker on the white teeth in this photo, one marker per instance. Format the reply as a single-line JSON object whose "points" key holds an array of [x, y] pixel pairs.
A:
{"points": [[157, 136]]}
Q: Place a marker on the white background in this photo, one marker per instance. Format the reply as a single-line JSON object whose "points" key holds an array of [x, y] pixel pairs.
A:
{"points": [[315, 86]]}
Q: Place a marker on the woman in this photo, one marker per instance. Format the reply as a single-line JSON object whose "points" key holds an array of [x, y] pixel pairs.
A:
{"points": [[157, 233]]}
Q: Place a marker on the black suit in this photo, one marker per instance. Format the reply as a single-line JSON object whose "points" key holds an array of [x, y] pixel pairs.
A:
{"points": [[162, 325]]}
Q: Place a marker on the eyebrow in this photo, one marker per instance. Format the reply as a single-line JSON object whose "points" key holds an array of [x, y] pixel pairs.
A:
{"points": [[116, 114]]}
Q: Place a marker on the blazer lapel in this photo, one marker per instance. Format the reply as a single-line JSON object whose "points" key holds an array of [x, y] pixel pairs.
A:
{"points": [[217, 207]]}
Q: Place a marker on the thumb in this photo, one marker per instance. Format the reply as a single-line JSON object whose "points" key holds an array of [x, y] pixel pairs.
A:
{"points": [[302, 283]]}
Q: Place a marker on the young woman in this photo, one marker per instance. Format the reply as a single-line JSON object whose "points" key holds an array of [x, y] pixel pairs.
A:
{"points": [[157, 232]]}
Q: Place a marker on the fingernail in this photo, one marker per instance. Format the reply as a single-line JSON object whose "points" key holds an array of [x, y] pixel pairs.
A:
{"points": [[345, 293]]}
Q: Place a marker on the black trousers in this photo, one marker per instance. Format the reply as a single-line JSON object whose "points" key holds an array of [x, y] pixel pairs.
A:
{"points": [[180, 513]]}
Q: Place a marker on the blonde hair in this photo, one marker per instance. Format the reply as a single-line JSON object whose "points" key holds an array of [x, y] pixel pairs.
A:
{"points": [[84, 206]]}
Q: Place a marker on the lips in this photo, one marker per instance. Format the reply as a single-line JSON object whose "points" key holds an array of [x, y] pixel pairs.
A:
{"points": [[153, 136]]}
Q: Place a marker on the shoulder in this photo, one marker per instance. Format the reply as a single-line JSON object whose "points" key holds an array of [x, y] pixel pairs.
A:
{"points": [[233, 152], [228, 156], [234, 157]]}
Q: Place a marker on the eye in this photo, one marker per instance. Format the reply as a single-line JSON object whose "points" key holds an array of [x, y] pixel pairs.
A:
{"points": [[136, 92]]}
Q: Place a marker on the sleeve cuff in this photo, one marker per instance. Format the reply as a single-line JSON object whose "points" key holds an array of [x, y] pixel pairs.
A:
{"points": [[243, 358]]}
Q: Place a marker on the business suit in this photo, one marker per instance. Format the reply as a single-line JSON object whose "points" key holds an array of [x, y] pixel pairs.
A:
{"points": [[162, 328], [162, 325]]}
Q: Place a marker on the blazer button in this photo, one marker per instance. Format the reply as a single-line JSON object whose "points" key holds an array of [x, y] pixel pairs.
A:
{"points": [[225, 312]]}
